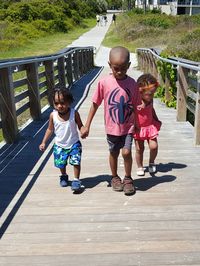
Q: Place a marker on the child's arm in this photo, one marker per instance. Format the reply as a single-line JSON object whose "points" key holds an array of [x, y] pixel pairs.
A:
{"points": [[86, 128], [159, 123], [48, 133], [155, 116], [78, 120]]}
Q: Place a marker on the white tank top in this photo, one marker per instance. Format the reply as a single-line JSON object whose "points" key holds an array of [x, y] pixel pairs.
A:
{"points": [[66, 133]]}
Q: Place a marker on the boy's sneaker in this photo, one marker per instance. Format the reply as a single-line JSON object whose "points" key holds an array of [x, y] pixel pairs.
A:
{"points": [[116, 183], [152, 168], [64, 180], [140, 171], [129, 188], [76, 185]]}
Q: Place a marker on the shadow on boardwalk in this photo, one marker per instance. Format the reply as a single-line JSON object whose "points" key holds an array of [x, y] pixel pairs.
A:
{"points": [[142, 184], [18, 160]]}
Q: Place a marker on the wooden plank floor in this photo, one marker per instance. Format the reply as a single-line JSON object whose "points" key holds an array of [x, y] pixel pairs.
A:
{"points": [[159, 225]]}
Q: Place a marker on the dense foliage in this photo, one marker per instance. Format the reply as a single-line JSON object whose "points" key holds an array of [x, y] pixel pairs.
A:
{"points": [[21, 21]]}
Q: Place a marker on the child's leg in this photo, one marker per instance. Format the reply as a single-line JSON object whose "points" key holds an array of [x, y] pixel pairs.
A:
{"points": [[113, 160], [139, 151], [114, 147], [60, 161], [63, 171], [75, 160], [127, 156], [76, 183], [77, 170], [153, 147]]}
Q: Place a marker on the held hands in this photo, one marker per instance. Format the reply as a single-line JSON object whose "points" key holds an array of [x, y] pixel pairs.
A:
{"points": [[42, 146], [84, 132]]}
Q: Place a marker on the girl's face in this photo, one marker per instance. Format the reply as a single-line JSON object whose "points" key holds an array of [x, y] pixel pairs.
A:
{"points": [[147, 95], [60, 104]]}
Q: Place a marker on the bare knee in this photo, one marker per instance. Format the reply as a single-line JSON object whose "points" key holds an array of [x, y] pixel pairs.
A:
{"points": [[114, 154], [126, 154], [153, 145]]}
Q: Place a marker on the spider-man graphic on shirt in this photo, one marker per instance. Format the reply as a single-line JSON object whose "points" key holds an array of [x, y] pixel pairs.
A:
{"points": [[120, 97], [120, 108]]}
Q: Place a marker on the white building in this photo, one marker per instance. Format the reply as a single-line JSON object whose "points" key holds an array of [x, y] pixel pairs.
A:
{"points": [[172, 7]]}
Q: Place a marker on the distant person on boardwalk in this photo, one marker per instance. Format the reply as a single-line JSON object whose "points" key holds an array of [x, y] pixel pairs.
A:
{"points": [[120, 95], [97, 19], [114, 18], [148, 124], [105, 20], [63, 122]]}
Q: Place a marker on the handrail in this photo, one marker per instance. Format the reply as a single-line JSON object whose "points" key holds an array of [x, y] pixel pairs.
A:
{"points": [[27, 60], [172, 61], [187, 84], [24, 82]]}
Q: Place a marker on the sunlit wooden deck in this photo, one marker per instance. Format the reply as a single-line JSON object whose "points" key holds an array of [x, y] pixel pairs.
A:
{"points": [[43, 224]]}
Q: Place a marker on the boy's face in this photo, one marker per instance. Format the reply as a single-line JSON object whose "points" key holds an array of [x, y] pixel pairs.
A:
{"points": [[119, 68]]}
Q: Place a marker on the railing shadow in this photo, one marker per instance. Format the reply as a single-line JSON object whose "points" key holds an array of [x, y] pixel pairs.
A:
{"points": [[17, 160]]}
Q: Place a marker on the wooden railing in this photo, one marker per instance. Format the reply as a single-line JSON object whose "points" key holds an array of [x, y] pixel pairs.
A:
{"points": [[188, 84], [26, 83]]}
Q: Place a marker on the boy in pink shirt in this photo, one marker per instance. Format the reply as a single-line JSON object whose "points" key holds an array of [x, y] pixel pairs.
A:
{"points": [[120, 95]]}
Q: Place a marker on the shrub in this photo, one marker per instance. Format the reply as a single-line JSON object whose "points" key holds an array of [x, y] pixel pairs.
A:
{"points": [[60, 25], [21, 12], [157, 21]]}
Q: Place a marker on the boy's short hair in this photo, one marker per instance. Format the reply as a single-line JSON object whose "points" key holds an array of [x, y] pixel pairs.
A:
{"points": [[66, 94], [120, 49]]}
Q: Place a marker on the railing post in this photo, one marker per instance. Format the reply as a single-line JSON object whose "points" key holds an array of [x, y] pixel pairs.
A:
{"points": [[81, 62], [197, 113], [85, 60], [92, 58], [49, 72], [167, 86], [7, 106], [69, 69], [182, 87], [33, 87], [75, 65], [61, 71], [143, 61]]}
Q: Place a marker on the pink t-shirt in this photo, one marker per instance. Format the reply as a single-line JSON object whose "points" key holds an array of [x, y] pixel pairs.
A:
{"points": [[120, 99]]}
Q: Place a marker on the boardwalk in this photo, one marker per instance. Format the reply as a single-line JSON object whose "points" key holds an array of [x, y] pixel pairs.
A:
{"points": [[43, 224]]}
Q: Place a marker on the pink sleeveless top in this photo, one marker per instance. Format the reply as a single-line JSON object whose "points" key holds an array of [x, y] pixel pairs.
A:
{"points": [[149, 127]]}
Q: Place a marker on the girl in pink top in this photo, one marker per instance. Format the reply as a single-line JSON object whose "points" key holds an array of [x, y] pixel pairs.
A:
{"points": [[148, 124]]}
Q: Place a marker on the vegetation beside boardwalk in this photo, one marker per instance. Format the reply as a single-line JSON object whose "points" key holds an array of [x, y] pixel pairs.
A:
{"points": [[176, 35], [26, 21]]}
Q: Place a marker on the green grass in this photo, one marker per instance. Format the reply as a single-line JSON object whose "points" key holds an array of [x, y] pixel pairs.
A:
{"points": [[48, 44]]}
